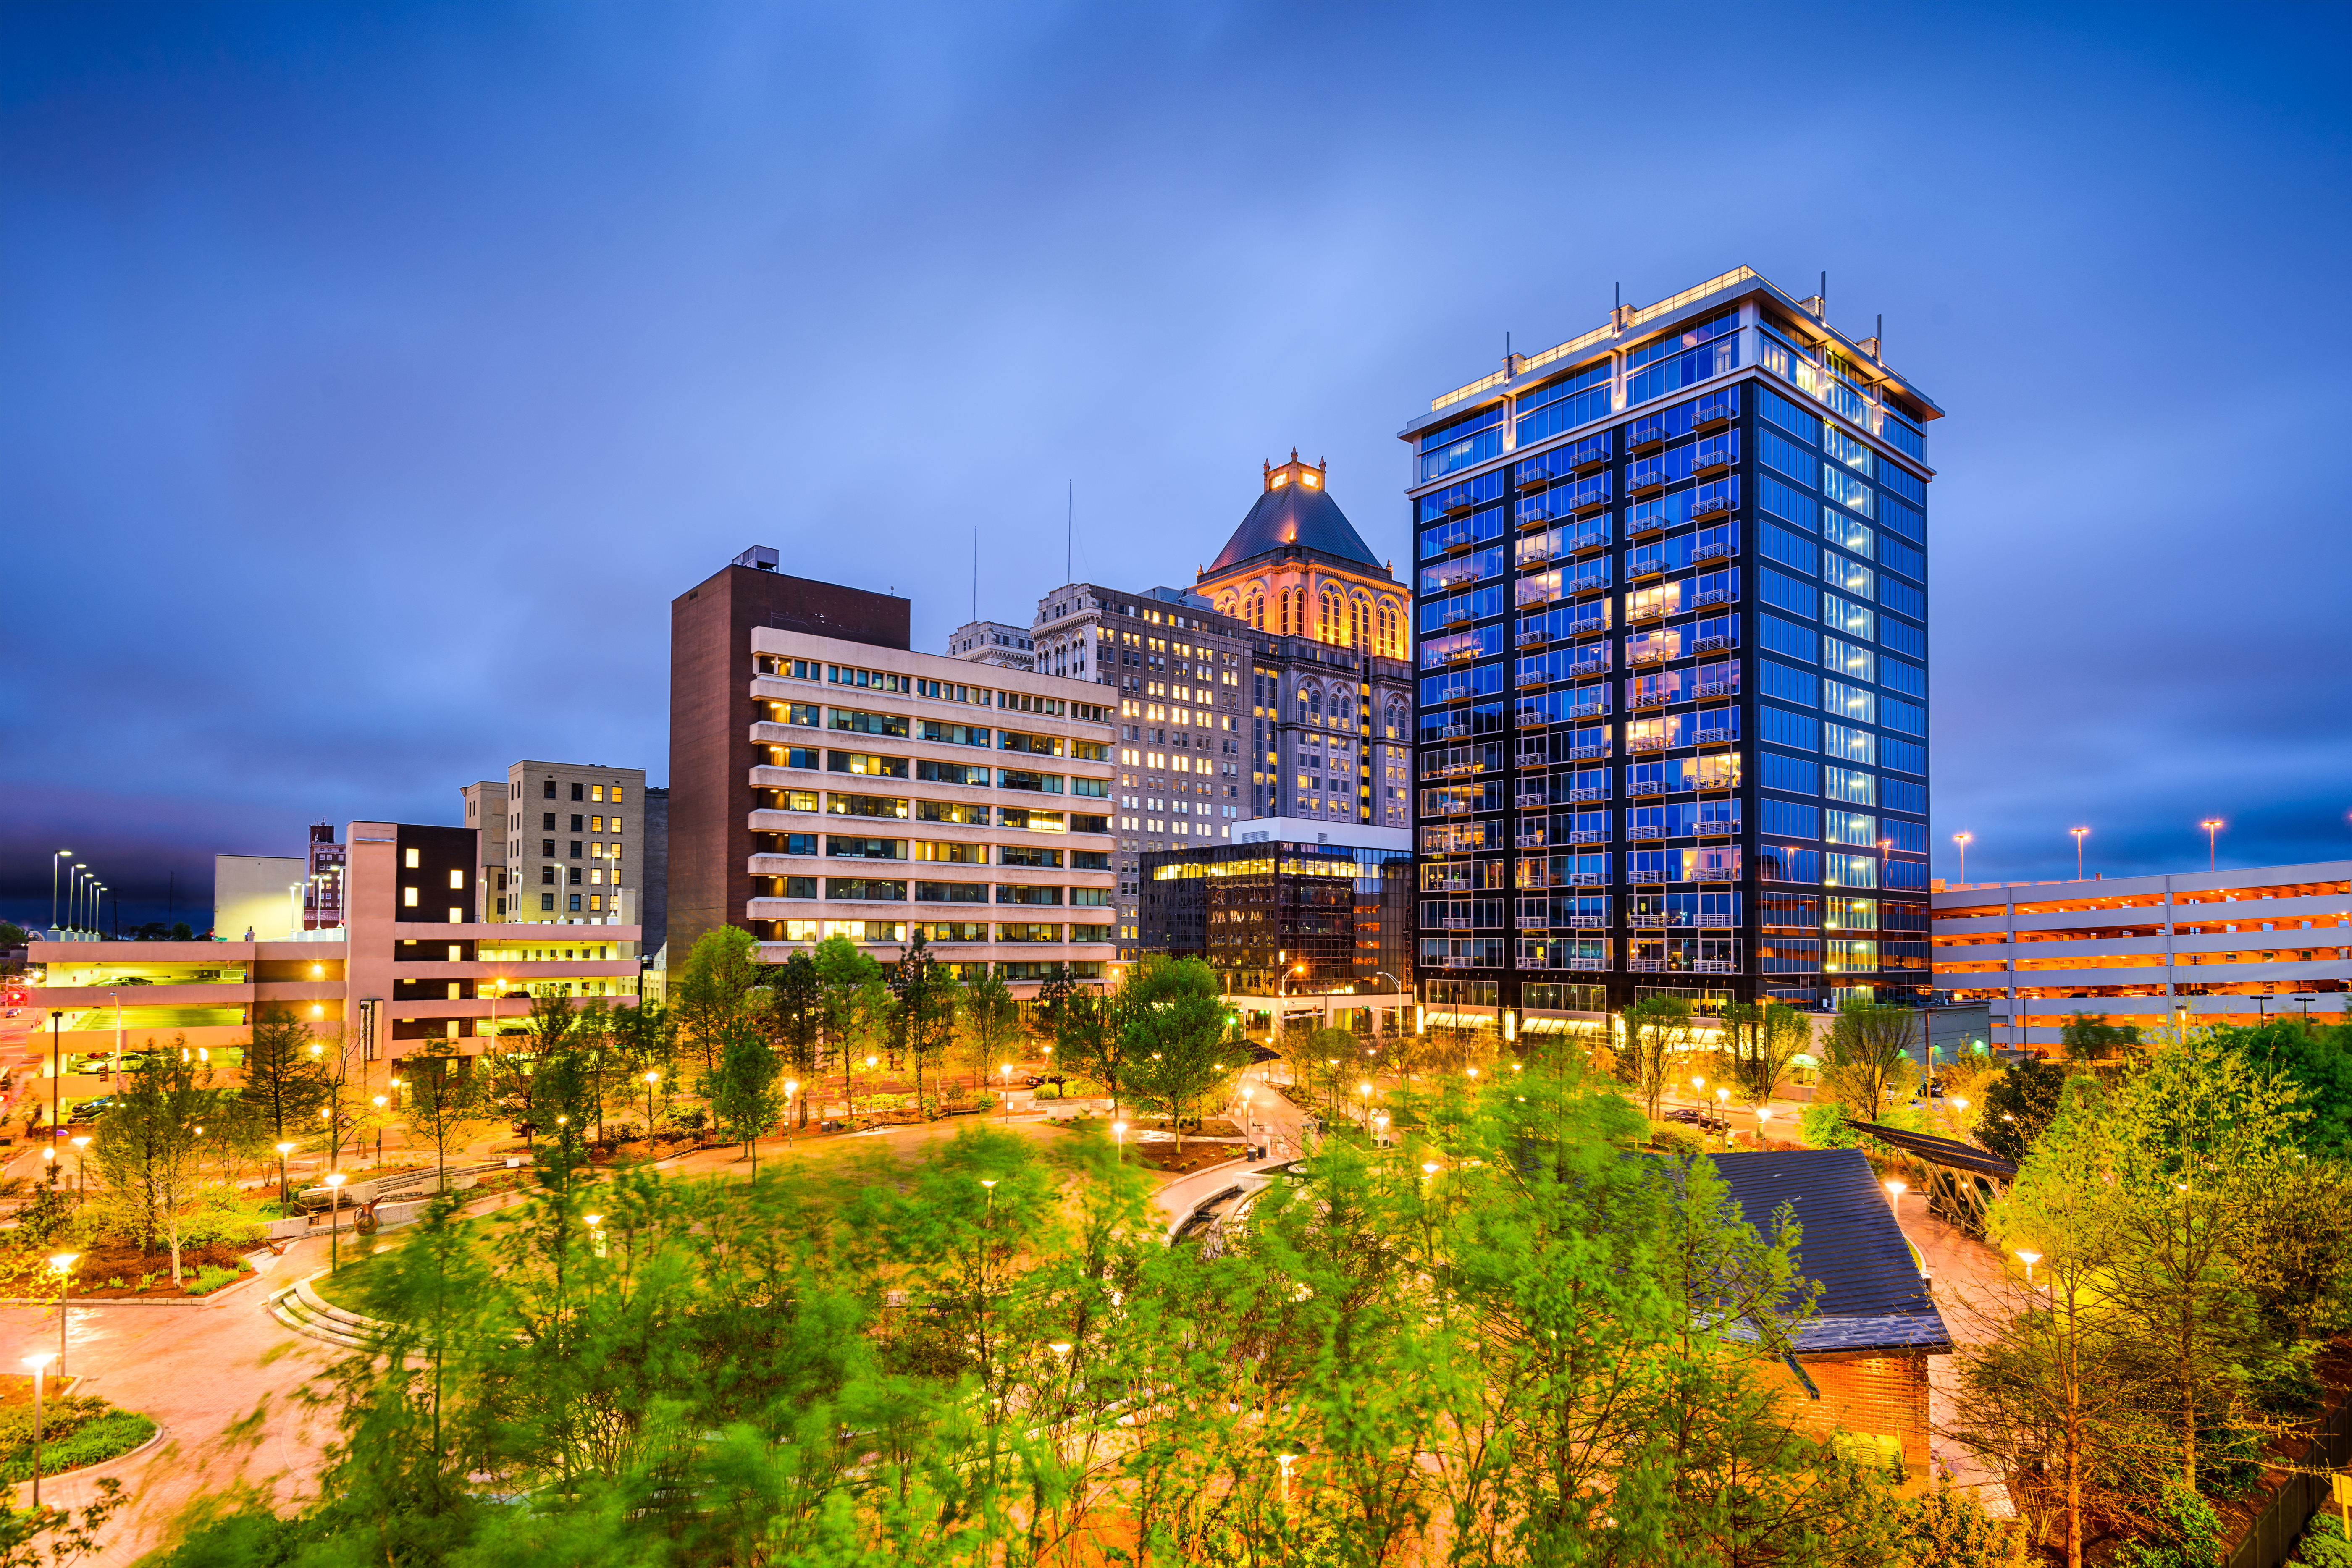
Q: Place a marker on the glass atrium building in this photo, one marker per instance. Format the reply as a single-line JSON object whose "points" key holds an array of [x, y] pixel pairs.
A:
{"points": [[1671, 636]]}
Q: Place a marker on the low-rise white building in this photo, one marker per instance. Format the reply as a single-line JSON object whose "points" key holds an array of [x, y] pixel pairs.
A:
{"points": [[2217, 948]]}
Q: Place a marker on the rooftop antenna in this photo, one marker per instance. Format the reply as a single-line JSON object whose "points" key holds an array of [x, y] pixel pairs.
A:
{"points": [[1881, 336], [975, 571], [1070, 531]]}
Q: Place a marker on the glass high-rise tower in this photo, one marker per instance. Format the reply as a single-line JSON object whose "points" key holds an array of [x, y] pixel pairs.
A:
{"points": [[1671, 635]]}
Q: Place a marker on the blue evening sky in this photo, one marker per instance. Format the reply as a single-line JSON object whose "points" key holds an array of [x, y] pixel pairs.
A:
{"points": [[371, 376]]}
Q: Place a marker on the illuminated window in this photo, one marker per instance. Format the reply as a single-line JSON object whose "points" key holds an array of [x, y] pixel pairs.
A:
{"points": [[409, 860], [595, 824], [457, 879], [408, 898], [615, 795], [456, 915]]}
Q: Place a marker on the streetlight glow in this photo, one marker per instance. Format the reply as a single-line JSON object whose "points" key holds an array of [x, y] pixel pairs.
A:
{"points": [[2028, 1260]]}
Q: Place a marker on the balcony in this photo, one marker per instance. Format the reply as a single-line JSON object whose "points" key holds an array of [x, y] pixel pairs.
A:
{"points": [[1641, 568], [1587, 752], [1714, 549], [1709, 505], [1598, 794], [1652, 655], [1531, 840], [1656, 611], [1648, 434], [1650, 702], [1643, 528], [1586, 879], [1714, 967], [1536, 478], [1713, 457], [1585, 459], [1588, 922], [1644, 478], [1535, 802], [1534, 760], [1715, 409], [1580, 962], [1461, 506], [1534, 922], [1711, 645], [1657, 920], [1718, 689], [1716, 595], [1588, 667], [1452, 922], [1587, 709], [1588, 836], [1645, 743], [1536, 677], [1646, 966], [1450, 732]]}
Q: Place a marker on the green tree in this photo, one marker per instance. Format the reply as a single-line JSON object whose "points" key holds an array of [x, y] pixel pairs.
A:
{"points": [[1766, 1037], [147, 1149], [851, 996], [796, 1012], [925, 1015], [1176, 1037], [991, 1018], [710, 993], [285, 1080], [1657, 1033], [1869, 1059], [1092, 1041], [2019, 1105], [742, 1089], [442, 1102], [2089, 1039], [2318, 1059]]}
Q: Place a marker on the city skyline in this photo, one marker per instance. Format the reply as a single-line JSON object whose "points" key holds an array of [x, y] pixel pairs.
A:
{"points": [[357, 497]]}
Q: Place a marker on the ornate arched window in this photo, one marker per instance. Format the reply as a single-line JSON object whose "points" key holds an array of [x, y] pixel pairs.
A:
{"points": [[1333, 620], [1315, 704]]}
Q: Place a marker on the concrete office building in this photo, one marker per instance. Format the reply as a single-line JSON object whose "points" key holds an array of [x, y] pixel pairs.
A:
{"points": [[1671, 626], [656, 903], [992, 643], [412, 969], [886, 795], [563, 844], [2214, 947]]}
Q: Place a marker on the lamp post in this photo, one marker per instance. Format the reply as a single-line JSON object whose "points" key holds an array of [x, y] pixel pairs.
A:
{"points": [[1763, 1123], [2211, 825], [791, 1092], [2080, 834], [63, 1263], [80, 1142], [1723, 1108], [1960, 1115], [380, 1102], [334, 1220], [1364, 1091], [285, 1193], [1247, 1092], [1380, 1128], [1895, 1190], [1118, 1130], [2028, 1260], [653, 1076], [57, 1070], [1284, 1461], [54, 859], [1964, 840], [38, 1363], [1005, 1070]]}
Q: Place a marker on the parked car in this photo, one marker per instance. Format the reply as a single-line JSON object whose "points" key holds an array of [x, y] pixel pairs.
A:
{"points": [[103, 1062], [90, 1110], [1680, 1114]]}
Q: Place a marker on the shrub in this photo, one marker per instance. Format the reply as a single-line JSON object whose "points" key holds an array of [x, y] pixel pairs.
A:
{"points": [[75, 1431], [1676, 1140], [1948, 1529], [210, 1278], [2186, 1533], [1049, 1092], [2324, 1546], [1823, 1125]]}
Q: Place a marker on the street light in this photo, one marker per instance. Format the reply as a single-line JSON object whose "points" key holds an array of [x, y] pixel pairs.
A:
{"points": [[2028, 1260], [63, 1263], [791, 1092], [1365, 1090], [652, 1078], [2211, 825], [380, 1102], [1118, 1130], [1284, 1461], [1964, 840], [1004, 1069], [1723, 1107], [1763, 1121], [2080, 833], [54, 859], [1895, 1190], [38, 1363], [334, 1218], [80, 1142], [285, 1193]]}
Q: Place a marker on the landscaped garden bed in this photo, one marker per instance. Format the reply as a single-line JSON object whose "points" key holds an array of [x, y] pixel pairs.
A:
{"points": [[115, 1273], [76, 1430]]}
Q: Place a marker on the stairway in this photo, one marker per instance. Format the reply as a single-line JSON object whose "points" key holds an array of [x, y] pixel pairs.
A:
{"points": [[304, 1311]]}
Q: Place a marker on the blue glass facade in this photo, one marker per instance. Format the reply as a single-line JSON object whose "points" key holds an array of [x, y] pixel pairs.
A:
{"points": [[1670, 632]]}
